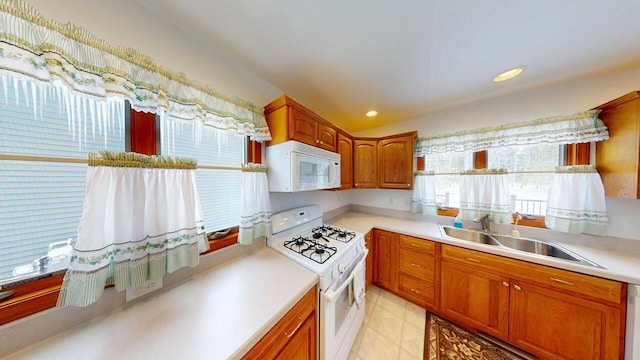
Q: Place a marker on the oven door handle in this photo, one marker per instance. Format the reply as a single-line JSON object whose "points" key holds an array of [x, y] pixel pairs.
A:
{"points": [[332, 296]]}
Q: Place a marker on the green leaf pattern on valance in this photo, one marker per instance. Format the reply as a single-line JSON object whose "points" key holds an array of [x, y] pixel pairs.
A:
{"points": [[48, 52], [571, 129]]}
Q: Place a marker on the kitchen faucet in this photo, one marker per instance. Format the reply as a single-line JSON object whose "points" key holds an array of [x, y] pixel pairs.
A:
{"points": [[484, 221]]}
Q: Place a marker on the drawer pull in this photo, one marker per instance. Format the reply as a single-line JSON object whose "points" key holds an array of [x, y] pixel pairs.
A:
{"points": [[415, 291], [561, 281], [296, 329], [416, 245], [517, 287], [473, 260], [505, 284], [415, 265]]}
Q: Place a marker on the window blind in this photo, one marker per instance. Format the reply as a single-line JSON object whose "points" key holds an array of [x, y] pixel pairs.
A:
{"points": [[41, 199], [219, 189]]}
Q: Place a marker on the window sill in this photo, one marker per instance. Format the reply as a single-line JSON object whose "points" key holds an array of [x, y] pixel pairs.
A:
{"points": [[532, 221], [223, 242], [42, 294], [30, 298]]}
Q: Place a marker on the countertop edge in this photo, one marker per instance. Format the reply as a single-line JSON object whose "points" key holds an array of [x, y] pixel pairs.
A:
{"points": [[429, 230]]}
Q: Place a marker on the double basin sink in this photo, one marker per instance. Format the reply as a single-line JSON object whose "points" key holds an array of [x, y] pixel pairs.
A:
{"points": [[521, 244]]}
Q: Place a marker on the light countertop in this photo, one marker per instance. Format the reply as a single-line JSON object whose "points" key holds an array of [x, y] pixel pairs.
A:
{"points": [[220, 314], [618, 264]]}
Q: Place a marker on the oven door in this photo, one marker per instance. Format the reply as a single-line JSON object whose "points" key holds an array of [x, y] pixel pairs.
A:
{"points": [[342, 313]]}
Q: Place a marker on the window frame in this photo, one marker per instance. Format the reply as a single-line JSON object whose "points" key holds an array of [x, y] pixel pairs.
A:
{"points": [[34, 295], [571, 154]]}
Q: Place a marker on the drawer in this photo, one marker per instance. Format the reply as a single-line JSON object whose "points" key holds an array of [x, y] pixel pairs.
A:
{"points": [[280, 334], [418, 264], [417, 244], [474, 258], [584, 285], [419, 290]]}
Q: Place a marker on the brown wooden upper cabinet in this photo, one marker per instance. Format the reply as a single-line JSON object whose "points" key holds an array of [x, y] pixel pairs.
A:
{"points": [[345, 149], [395, 161], [289, 120], [365, 160], [618, 159]]}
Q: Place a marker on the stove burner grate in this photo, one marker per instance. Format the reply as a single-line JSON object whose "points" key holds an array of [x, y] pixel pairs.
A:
{"points": [[310, 249], [334, 233]]}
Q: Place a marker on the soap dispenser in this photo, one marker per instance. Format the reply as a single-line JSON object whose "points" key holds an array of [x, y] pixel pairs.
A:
{"points": [[457, 222]]}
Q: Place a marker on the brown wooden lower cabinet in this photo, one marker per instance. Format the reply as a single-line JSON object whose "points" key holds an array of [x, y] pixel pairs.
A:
{"points": [[552, 313], [293, 337], [368, 240], [556, 325], [385, 269], [477, 299], [549, 312], [418, 266]]}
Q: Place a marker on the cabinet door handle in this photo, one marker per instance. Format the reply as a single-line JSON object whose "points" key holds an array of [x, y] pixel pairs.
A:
{"points": [[517, 287], [415, 291], [296, 329], [505, 284], [561, 281], [415, 265], [473, 260]]}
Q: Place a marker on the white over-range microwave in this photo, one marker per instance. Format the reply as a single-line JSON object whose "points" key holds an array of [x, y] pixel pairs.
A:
{"points": [[294, 166]]}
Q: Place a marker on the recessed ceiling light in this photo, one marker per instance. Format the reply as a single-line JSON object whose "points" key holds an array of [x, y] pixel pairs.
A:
{"points": [[371, 113], [509, 74]]}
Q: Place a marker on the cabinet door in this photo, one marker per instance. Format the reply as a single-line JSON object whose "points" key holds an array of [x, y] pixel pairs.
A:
{"points": [[302, 127], [294, 336], [386, 269], [474, 298], [555, 325], [327, 137], [345, 149], [302, 343], [365, 173], [395, 163], [617, 158], [368, 240]]}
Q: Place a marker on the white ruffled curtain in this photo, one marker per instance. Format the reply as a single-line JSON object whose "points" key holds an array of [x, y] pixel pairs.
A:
{"points": [[570, 129], [576, 202], [141, 220], [485, 192], [255, 207], [47, 53], [424, 194]]}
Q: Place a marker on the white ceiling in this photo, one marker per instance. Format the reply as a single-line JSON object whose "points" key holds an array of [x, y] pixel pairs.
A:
{"points": [[411, 58]]}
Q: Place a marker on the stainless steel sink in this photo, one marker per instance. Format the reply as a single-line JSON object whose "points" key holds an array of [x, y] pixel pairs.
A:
{"points": [[532, 246], [541, 247], [469, 235]]}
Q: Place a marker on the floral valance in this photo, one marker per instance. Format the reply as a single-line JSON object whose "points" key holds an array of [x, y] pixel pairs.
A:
{"points": [[48, 52], [577, 128]]}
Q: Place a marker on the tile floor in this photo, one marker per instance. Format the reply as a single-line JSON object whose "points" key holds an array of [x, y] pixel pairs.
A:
{"points": [[393, 328]]}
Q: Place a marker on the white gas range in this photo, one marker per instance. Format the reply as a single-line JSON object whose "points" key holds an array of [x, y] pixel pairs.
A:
{"points": [[338, 256]]}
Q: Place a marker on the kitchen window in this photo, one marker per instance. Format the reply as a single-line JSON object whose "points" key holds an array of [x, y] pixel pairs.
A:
{"points": [[447, 168], [42, 183], [220, 155], [530, 173], [42, 175]]}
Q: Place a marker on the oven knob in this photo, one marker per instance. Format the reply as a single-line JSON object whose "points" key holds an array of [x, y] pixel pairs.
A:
{"points": [[341, 268], [335, 274]]}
